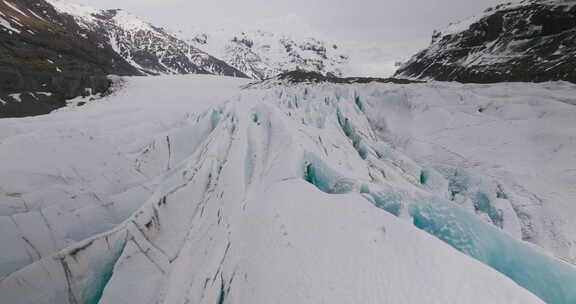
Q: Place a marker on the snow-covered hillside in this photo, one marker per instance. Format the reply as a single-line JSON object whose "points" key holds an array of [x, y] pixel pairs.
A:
{"points": [[149, 49], [529, 40], [187, 189], [263, 54]]}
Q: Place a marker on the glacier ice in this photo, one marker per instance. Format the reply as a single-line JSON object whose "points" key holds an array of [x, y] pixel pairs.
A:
{"points": [[301, 194], [550, 279]]}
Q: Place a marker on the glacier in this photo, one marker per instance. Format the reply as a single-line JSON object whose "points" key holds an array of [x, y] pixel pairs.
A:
{"points": [[189, 189]]}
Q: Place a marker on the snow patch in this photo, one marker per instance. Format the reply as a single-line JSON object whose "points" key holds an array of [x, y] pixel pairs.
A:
{"points": [[7, 26], [17, 97], [14, 7]]}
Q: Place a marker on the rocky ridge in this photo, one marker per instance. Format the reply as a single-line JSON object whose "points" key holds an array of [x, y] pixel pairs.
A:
{"points": [[530, 41]]}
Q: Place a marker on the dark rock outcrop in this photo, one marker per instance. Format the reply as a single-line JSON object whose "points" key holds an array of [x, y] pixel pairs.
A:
{"points": [[531, 41], [296, 77], [44, 60]]}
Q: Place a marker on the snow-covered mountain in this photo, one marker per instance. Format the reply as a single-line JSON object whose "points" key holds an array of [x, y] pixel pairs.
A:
{"points": [[149, 49], [532, 40], [263, 54], [54, 50], [340, 193]]}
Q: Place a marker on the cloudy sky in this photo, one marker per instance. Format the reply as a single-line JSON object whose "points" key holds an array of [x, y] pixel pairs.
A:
{"points": [[378, 32]]}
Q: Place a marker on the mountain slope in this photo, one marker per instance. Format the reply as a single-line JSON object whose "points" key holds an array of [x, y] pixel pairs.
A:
{"points": [[149, 49], [44, 59], [534, 41], [53, 51], [262, 54]]}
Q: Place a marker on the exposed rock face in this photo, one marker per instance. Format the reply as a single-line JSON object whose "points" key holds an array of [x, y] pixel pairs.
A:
{"points": [[51, 51], [261, 54], [532, 41], [298, 76]]}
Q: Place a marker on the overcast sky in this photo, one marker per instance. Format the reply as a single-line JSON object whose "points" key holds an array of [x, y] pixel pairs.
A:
{"points": [[385, 30]]}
